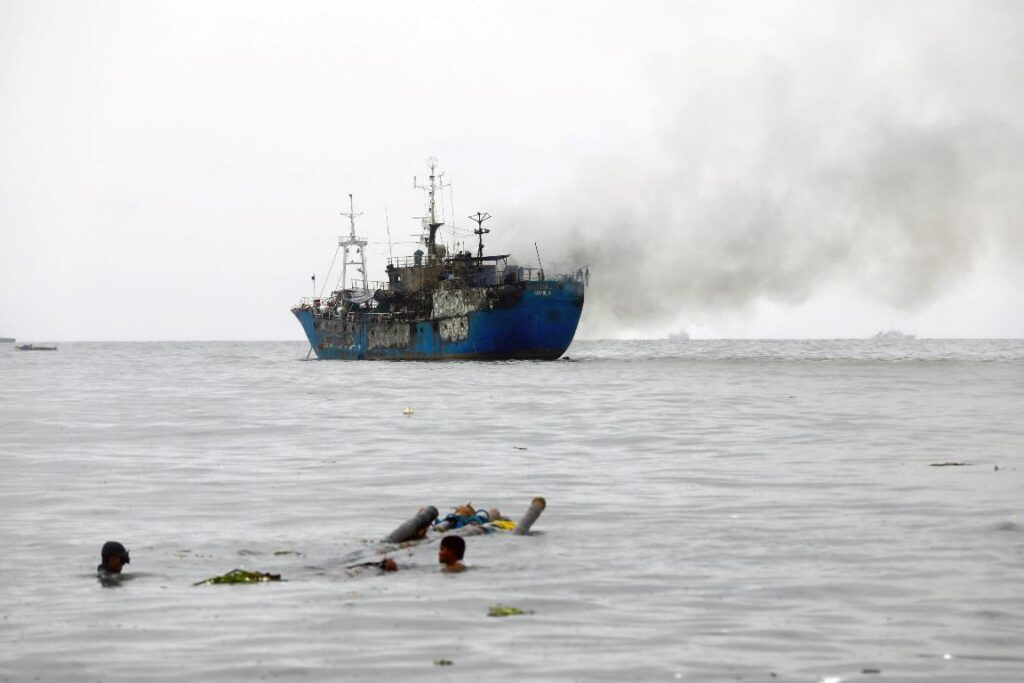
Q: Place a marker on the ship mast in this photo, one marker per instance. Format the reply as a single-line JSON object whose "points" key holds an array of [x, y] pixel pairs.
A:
{"points": [[357, 259], [430, 220], [480, 231]]}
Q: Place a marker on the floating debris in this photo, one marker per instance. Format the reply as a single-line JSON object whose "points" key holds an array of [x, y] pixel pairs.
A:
{"points": [[239, 576], [950, 464], [520, 448], [287, 552], [408, 411], [443, 662], [503, 524], [532, 513], [414, 528], [871, 671], [503, 611]]}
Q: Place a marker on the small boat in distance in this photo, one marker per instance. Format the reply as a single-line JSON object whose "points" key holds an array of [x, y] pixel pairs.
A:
{"points": [[892, 334], [34, 347]]}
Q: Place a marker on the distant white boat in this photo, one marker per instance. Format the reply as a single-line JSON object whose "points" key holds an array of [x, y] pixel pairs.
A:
{"points": [[681, 335], [892, 334], [35, 347]]}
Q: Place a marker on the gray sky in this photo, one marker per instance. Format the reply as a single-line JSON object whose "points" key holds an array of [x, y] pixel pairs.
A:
{"points": [[176, 170]]}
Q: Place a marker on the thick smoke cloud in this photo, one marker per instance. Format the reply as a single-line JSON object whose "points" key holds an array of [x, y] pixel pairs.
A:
{"points": [[862, 145]]}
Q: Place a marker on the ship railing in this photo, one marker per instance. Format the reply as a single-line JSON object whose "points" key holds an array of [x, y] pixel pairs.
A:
{"points": [[581, 274], [319, 306], [406, 261], [371, 285], [527, 274], [520, 274]]}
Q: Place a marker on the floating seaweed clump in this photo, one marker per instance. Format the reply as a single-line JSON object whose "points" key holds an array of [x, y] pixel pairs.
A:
{"points": [[287, 552], [503, 611], [239, 576], [443, 662]]}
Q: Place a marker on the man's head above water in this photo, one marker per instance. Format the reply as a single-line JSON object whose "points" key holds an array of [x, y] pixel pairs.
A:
{"points": [[451, 552], [114, 556]]}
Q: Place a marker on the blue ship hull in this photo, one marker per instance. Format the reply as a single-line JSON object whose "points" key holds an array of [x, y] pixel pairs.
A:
{"points": [[540, 324]]}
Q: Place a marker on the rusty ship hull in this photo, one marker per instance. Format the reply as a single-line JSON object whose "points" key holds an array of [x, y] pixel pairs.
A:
{"points": [[525, 320]]}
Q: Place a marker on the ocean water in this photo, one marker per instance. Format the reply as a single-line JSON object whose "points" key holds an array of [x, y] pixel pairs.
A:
{"points": [[717, 511]]}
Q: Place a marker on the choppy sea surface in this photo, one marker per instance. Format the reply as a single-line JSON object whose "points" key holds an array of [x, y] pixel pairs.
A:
{"points": [[717, 511]]}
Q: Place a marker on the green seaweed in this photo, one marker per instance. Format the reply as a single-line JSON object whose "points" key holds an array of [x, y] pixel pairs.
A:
{"points": [[239, 576], [503, 611], [443, 662], [287, 552]]}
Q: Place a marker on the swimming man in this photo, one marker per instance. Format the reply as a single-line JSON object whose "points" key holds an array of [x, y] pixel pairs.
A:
{"points": [[114, 557], [450, 554]]}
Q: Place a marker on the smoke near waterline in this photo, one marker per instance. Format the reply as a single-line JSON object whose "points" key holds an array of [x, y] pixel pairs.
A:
{"points": [[881, 151]]}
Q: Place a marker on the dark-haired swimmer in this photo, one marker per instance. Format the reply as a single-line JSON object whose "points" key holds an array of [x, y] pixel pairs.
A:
{"points": [[114, 557], [451, 552]]}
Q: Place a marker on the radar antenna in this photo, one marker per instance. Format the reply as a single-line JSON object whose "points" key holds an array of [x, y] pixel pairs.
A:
{"points": [[480, 231], [430, 220]]}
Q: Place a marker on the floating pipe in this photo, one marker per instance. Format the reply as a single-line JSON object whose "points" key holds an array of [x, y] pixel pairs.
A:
{"points": [[536, 507], [414, 528]]}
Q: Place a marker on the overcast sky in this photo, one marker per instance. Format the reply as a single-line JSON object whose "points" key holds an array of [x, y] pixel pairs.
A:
{"points": [[175, 170]]}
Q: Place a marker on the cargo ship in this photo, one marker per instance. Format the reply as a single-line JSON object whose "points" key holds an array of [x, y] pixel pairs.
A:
{"points": [[442, 305]]}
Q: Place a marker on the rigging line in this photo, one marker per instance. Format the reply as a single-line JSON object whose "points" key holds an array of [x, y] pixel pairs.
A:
{"points": [[329, 270], [387, 223], [451, 202]]}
